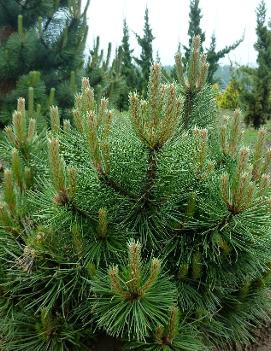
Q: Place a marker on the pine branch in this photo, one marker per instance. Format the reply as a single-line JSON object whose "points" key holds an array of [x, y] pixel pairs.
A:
{"points": [[150, 177], [105, 178]]}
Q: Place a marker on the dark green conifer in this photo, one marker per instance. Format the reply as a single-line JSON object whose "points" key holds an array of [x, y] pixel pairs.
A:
{"points": [[117, 87], [106, 75], [213, 56], [97, 67], [194, 28], [129, 71], [146, 56], [257, 95], [40, 36]]}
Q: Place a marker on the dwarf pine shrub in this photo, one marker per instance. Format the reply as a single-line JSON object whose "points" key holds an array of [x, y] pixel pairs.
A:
{"points": [[151, 229]]}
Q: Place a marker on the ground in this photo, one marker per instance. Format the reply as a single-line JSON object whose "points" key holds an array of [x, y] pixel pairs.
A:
{"points": [[263, 342]]}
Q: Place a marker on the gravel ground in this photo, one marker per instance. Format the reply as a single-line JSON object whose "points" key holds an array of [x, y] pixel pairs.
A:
{"points": [[263, 343], [263, 340]]}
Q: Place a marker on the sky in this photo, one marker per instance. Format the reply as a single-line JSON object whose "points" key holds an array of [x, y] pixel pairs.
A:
{"points": [[228, 19]]}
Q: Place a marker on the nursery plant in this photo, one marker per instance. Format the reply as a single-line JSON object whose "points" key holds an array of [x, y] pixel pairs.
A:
{"points": [[141, 231], [42, 45]]}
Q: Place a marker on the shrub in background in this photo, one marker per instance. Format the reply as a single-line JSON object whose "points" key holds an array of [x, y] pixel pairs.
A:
{"points": [[229, 98]]}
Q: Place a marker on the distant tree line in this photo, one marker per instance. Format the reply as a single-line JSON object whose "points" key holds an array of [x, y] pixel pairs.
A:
{"points": [[42, 46]]}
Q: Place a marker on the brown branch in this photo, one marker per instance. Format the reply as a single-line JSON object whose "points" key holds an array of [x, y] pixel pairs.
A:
{"points": [[188, 105], [150, 176], [72, 206], [62, 199], [114, 185]]}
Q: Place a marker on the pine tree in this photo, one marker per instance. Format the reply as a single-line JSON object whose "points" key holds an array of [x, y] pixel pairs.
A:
{"points": [[116, 82], [146, 57], [106, 77], [40, 36], [150, 231], [213, 56], [128, 69], [98, 67], [257, 96], [194, 28]]}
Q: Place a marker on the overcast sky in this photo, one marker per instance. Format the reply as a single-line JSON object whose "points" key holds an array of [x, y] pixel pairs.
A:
{"points": [[228, 19]]}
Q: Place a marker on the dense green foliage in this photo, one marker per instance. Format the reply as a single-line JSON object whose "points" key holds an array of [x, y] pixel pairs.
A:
{"points": [[229, 99], [113, 78], [151, 227], [44, 37]]}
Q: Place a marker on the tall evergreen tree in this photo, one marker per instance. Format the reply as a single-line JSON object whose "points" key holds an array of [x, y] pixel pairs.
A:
{"points": [[146, 57], [97, 68], [258, 96], [194, 28], [115, 78], [213, 56], [127, 58], [117, 84], [129, 70], [44, 36], [106, 75]]}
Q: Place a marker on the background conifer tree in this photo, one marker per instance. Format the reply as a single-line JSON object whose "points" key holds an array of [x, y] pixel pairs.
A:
{"points": [[257, 96], [213, 56], [98, 67], [194, 28], [107, 75], [129, 71], [146, 56], [40, 36], [117, 83]]}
